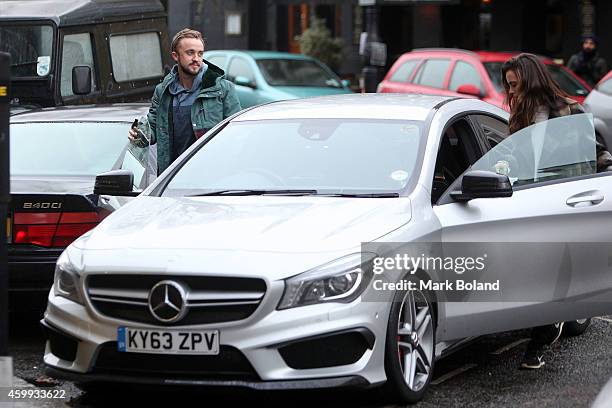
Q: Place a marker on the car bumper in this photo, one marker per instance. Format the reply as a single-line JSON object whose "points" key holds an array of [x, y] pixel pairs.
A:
{"points": [[317, 346], [30, 277]]}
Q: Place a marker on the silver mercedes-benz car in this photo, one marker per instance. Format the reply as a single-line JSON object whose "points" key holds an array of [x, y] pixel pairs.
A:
{"points": [[254, 260]]}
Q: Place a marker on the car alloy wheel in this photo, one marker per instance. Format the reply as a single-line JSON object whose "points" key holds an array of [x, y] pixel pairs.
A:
{"points": [[576, 327], [410, 348]]}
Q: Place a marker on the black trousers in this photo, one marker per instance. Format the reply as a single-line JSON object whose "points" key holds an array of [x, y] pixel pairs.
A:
{"points": [[542, 336]]}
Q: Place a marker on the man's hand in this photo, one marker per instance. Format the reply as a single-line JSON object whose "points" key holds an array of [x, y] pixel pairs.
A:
{"points": [[133, 136]]}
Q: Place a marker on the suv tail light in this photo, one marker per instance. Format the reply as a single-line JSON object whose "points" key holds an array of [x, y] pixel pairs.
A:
{"points": [[52, 229]]}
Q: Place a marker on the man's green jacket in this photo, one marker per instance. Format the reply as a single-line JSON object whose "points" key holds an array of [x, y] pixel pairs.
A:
{"points": [[216, 101]]}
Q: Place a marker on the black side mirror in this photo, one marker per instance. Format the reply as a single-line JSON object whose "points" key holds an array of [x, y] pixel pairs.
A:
{"points": [[115, 183], [483, 184], [81, 80]]}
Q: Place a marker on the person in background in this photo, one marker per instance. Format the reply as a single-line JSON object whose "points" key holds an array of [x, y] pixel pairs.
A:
{"points": [[587, 63], [533, 96], [190, 100]]}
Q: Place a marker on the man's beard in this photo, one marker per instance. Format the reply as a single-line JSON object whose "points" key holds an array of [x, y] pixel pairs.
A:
{"points": [[187, 69]]}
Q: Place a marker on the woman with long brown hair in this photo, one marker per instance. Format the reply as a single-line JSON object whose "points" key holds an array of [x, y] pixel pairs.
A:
{"points": [[533, 96]]}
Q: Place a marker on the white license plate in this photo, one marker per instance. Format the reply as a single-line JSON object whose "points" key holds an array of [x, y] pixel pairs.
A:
{"points": [[132, 340]]}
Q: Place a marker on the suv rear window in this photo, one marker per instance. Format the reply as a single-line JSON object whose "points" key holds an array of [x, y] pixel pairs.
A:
{"points": [[432, 73], [403, 73]]}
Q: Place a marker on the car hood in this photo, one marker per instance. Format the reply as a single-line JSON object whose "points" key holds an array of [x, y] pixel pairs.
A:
{"points": [[306, 91], [253, 223], [271, 236]]}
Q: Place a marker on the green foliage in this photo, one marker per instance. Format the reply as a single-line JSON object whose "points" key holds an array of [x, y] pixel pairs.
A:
{"points": [[317, 42]]}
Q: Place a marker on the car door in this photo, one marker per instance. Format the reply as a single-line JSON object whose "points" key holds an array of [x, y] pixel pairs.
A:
{"points": [[142, 162], [239, 70], [548, 243]]}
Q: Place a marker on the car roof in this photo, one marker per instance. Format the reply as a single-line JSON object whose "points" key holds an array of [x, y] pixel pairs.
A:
{"points": [[349, 106], [77, 12], [501, 56], [263, 54], [484, 56], [119, 112]]}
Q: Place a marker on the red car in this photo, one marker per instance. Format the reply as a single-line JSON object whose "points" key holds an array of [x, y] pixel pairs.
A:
{"points": [[456, 72]]}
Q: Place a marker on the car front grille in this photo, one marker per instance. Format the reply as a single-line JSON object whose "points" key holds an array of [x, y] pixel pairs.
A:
{"points": [[209, 299], [229, 364]]}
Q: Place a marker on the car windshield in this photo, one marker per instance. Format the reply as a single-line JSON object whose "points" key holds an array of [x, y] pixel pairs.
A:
{"points": [[565, 80], [308, 156], [66, 148], [550, 150], [296, 72], [31, 48]]}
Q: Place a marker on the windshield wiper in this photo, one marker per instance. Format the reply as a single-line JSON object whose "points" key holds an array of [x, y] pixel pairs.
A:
{"points": [[19, 64], [362, 195], [255, 192]]}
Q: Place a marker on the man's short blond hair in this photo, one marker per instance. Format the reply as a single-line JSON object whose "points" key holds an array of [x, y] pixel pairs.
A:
{"points": [[185, 33]]}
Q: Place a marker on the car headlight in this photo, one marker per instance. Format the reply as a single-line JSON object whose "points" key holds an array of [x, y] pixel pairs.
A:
{"points": [[342, 280], [66, 280]]}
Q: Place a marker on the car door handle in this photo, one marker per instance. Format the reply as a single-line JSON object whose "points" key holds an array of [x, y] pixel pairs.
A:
{"points": [[591, 199]]}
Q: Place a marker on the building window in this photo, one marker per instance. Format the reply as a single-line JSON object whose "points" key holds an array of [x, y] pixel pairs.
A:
{"points": [[233, 23]]}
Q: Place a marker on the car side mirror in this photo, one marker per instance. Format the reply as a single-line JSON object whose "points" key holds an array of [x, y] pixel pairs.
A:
{"points": [[483, 184], [469, 89], [346, 83], [81, 80], [115, 183], [244, 81]]}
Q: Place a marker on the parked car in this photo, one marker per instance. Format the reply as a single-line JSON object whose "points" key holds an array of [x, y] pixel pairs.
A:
{"points": [[55, 154], [84, 51], [242, 264], [265, 76], [456, 72], [599, 102]]}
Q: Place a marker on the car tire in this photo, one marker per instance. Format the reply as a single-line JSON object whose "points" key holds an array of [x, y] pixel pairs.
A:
{"points": [[403, 347], [576, 327]]}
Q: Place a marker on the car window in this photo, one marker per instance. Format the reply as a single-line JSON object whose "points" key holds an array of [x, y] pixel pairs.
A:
{"points": [[136, 56], [65, 148], [495, 130], [432, 73], [495, 74], [464, 73], [31, 49], [326, 155], [458, 149], [296, 72], [240, 67], [402, 74], [76, 50], [218, 60], [566, 81], [555, 149], [606, 87]]}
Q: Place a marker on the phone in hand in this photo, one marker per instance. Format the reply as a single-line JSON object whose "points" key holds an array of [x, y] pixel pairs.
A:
{"points": [[141, 139]]}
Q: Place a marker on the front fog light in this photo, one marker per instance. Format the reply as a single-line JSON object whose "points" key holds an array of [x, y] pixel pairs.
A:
{"points": [[66, 280], [342, 280]]}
